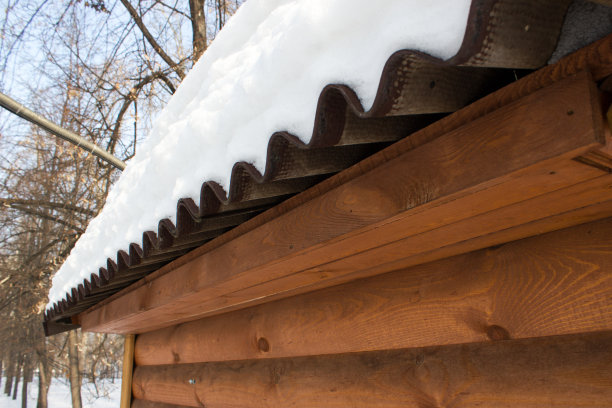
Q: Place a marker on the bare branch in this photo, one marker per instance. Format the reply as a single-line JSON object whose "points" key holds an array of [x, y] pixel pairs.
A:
{"points": [[48, 204], [149, 37], [172, 8], [39, 214]]}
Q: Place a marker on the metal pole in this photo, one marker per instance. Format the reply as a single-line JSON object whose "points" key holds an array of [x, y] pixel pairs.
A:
{"points": [[23, 112]]}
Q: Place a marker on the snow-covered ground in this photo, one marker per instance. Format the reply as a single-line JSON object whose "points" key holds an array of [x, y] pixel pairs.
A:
{"points": [[59, 395], [263, 73]]}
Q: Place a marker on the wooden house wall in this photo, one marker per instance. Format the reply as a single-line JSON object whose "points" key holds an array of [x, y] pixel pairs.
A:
{"points": [[521, 324]]}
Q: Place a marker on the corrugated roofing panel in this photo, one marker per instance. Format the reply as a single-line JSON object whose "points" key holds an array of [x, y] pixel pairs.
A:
{"points": [[503, 37]]}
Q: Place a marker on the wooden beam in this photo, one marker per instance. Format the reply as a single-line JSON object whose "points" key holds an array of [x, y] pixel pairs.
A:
{"points": [[564, 371], [126, 378], [427, 195], [551, 284]]}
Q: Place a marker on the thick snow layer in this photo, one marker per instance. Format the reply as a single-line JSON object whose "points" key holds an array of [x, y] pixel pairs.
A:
{"points": [[263, 73]]}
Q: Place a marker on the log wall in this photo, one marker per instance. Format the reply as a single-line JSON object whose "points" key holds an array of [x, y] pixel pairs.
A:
{"points": [[566, 371], [523, 324]]}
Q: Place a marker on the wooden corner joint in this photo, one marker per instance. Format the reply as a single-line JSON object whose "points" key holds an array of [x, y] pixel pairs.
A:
{"points": [[601, 157]]}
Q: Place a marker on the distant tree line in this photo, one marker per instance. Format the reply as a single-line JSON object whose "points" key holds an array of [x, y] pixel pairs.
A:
{"points": [[101, 69]]}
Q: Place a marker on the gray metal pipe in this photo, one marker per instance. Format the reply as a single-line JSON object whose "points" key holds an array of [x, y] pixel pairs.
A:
{"points": [[18, 109]]}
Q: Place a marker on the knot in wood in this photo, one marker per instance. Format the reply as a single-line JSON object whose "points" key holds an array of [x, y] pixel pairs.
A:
{"points": [[495, 332], [263, 345]]}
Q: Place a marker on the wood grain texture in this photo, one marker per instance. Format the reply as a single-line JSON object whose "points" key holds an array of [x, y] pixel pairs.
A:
{"points": [[516, 153], [151, 404], [565, 371], [552, 284]]}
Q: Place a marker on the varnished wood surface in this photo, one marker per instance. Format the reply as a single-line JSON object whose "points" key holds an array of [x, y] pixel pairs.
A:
{"points": [[150, 404], [551, 284], [565, 371], [514, 154], [127, 371]]}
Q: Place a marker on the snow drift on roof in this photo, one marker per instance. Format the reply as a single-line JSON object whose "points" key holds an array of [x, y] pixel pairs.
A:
{"points": [[263, 73]]}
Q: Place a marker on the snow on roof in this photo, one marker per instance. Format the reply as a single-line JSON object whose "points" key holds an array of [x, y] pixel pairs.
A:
{"points": [[263, 73]]}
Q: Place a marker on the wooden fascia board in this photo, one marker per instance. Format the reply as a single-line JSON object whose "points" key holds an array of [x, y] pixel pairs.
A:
{"points": [[514, 154]]}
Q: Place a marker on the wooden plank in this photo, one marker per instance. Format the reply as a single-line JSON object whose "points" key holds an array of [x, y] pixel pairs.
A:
{"points": [[551, 284], [126, 378], [565, 371], [516, 153]]}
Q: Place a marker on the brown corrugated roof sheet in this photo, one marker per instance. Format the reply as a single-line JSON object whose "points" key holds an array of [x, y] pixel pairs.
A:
{"points": [[503, 38]]}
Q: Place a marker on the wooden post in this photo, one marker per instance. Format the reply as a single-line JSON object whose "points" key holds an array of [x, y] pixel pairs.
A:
{"points": [[73, 370], [128, 364]]}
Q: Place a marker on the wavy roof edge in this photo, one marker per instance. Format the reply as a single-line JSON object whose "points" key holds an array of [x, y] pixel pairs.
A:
{"points": [[500, 35]]}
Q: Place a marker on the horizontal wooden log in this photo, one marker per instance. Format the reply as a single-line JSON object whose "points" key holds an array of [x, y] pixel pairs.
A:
{"points": [[552, 284], [564, 371], [150, 404], [516, 153]]}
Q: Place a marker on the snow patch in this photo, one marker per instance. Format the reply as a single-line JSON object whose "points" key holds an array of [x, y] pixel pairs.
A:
{"points": [[107, 396], [263, 73]]}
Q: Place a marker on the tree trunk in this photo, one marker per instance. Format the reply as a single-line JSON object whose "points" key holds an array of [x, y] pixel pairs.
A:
{"points": [[43, 384], [44, 374], [24, 388], [10, 371], [73, 367], [16, 379], [198, 27]]}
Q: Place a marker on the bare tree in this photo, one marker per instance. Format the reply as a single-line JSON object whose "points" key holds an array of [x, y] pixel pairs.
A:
{"points": [[101, 69]]}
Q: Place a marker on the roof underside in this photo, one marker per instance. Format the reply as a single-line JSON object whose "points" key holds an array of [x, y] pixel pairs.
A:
{"points": [[504, 40]]}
